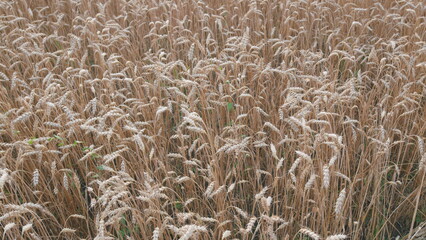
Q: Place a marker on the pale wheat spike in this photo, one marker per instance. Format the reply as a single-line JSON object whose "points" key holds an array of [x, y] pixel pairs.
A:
{"points": [[26, 227], [219, 190], [3, 180], [160, 110], [304, 156], [231, 187], [274, 151], [310, 182], [174, 155], [272, 127], [196, 129], [340, 201], [101, 229], [226, 234], [8, 227], [310, 233], [250, 224], [65, 181], [209, 189], [280, 164], [332, 161], [294, 165], [36, 176], [191, 51], [421, 145], [337, 237], [326, 177], [422, 163], [241, 212], [4, 77], [156, 234], [138, 139], [53, 168], [123, 166], [22, 118], [261, 193]]}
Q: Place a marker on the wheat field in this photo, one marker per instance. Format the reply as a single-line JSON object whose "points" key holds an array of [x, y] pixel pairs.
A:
{"points": [[214, 119]]}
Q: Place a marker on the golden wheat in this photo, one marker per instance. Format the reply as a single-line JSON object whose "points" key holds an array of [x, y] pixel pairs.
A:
{"points": [[250, 119]]}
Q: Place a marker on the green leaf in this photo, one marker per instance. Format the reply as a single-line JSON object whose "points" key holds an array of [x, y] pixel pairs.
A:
{"points": [[101, 167], [31, 141], [57, 137], [123, 221], [85, 148], [230, 106], [179, 206]]}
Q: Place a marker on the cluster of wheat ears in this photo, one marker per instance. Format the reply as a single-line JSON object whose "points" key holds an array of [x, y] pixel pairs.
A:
{"points": [[191, 119]]}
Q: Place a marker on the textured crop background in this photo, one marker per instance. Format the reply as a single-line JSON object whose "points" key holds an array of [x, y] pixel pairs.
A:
{"points": [[215, 119]]}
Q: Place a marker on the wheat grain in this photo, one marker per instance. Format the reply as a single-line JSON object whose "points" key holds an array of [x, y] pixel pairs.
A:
{"points": [[310, 233], [339, 202], [8, 226], [156, 234], [259, 195], [209, 119], [250, 224], [26, 228], [65, 181], [226, 234], [337, 237], [36, 176], [310, 182], [326, 177]]}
